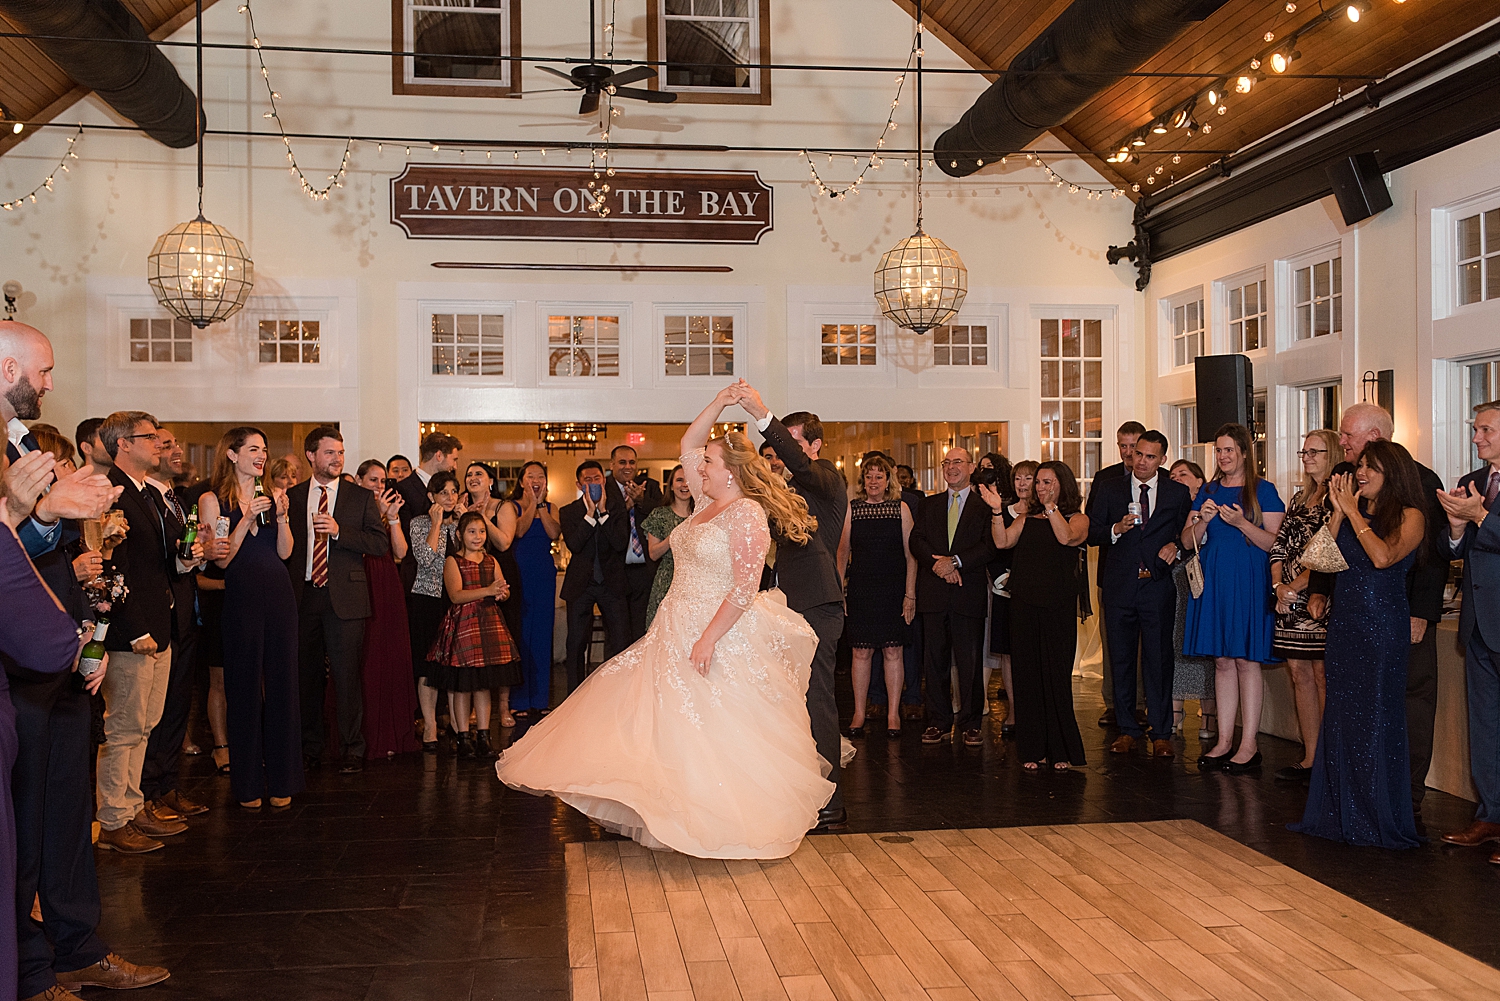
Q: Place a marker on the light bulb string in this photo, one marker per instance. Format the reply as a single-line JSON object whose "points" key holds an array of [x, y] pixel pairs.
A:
{"points": [[313, 191], [50, 179], [873, 159]]}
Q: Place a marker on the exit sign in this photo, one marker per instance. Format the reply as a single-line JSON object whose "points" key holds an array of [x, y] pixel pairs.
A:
{"points": [[635, 438]]}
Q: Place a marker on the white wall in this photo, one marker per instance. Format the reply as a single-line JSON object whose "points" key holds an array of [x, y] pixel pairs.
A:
{"points": [[1025, 242]]}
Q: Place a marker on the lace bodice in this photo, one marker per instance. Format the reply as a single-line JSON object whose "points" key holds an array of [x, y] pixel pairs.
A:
{"points": [[719, 558]]}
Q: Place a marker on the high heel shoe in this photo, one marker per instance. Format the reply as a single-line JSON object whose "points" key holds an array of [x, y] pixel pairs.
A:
{"points": [[857, 731], [466, 745], [1243, 767], [224, 768], [1206, 731], [893, 732], [1212, 762], [483, 750]]}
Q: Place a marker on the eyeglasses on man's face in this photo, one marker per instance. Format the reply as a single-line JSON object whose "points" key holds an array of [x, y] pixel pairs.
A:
{"points": [[150, 436], [1304, 453]]}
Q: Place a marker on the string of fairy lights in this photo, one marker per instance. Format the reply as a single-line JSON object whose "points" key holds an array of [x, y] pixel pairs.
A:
{"points": [[873, 159], [50, 179]]}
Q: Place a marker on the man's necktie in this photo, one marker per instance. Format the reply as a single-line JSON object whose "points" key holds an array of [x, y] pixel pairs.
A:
{"points": [[1493, 490], [1145, 503], [955, 508], [320, 545], [635, 538], [175, 506]]}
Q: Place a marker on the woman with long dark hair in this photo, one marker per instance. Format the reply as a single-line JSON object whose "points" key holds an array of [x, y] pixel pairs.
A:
{"points": [[1360, 788], [1192, 677], [528, 524], [385, 658], [482, 492], [432, 537], [1044, 541], [259, 625], [1234, 522]]}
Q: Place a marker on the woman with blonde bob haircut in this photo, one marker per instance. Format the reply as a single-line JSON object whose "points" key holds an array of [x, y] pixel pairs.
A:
{"points": [[697, 738]]}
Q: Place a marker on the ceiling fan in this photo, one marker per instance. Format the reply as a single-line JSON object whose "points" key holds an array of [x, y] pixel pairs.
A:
{"points": [[593, 79]]}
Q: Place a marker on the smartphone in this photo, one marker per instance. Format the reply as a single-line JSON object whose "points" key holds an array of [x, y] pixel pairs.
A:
{"points": [[596, 492]]}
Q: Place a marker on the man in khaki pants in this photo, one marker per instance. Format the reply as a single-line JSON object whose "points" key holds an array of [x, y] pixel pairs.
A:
{"points": [[140, 635]]}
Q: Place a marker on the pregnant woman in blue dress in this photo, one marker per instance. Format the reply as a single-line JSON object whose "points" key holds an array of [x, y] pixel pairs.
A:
{"points": [[529, 524], [1360, 790], [259, 626], [1234, 523]]}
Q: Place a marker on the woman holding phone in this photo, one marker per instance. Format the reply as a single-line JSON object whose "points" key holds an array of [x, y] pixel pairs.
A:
{"points": [[528, 524]]}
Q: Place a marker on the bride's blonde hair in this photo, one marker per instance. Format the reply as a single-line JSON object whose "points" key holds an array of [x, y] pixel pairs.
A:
{"points": [[785, 509]]}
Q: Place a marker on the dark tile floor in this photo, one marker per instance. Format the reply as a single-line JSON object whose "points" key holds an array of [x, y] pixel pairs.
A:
{"points": [[423, 878]]}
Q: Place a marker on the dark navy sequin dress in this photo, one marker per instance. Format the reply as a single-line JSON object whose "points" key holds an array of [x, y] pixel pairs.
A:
{"points": [[1360, 791]]}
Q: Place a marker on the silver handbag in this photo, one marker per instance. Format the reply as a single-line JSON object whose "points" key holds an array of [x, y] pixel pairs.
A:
{"points": [[1195, 570], [1322, 553]]}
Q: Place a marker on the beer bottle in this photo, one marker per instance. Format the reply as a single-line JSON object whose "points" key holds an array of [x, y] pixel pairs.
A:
{"points": [[92, 657], [189, 536], [264, 518]]}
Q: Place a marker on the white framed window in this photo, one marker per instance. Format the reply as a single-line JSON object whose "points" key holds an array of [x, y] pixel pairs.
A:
{"points": [[1317, 297], [697, 344], [467, 343], [847, 345], [1319, 407], [1481, 384], [959, 344], [1072, 393], [1185, 322], [158, 340], [1260, 430], [458, 48], [288, 342], [583, 345], [1246, 314], [711, 50], [1477, 256], [1182, 418]]}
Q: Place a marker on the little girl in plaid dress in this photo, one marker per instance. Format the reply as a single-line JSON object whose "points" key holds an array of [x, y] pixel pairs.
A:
{"points": [[474, 652]]}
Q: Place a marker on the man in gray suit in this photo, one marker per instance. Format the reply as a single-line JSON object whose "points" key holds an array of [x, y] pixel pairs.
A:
{"points": [[1474, 537]]}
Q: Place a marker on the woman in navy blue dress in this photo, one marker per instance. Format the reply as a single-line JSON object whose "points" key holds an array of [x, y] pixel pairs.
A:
{"points": [[259, 626], [1360, 789], [1234, 523], [528, 524]]}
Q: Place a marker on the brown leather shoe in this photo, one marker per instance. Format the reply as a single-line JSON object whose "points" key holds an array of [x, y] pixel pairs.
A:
{"points": [[182, 805], [1124, 744], [932, 735], [1162, 749], [128, 841], [973, 738], [153, 828], [115, 973], [159, 811], [1474, 835], [57, 992]]}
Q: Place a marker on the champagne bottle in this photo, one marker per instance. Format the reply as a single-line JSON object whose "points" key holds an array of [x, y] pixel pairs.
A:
{"points": [[264, 518], [189, 536], [92, 657]]}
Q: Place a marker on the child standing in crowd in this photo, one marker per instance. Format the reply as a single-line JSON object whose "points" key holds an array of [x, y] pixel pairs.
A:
{"points": [[473, 652]]}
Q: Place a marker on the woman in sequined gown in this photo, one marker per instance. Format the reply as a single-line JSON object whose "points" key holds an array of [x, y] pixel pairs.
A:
{"points": [[1360, 787], [697, 737]]}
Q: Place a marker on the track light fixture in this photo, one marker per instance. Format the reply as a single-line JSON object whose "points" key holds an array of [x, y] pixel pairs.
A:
{"points": [[1183, 115], [1244, 84], [1356, 10], [1216, 93]]}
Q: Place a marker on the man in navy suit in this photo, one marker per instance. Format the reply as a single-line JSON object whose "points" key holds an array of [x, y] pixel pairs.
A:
{"points": [[1474, 537], [1135, 520]]}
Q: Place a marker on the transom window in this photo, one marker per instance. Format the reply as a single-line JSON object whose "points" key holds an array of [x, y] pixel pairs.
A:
{"points": [[1187, 332], [961, 344], [847, 344], [1318, 299], [459, 48], [1072, 352], [289, 342], [1320, 407], [712, 49], [1247, 316], [468, 344], [583, 345], [160, 340], [1479, 257], [699, 345]]}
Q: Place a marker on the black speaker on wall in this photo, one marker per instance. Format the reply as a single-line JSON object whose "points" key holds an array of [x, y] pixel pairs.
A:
{"points": [[1226, 393], [1358, 186]]}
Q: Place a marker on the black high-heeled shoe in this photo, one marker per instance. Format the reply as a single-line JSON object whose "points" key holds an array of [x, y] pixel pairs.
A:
{"points": [[466, 745], [1243, 767], [856, 732], [483, 749], [1211, 762]]}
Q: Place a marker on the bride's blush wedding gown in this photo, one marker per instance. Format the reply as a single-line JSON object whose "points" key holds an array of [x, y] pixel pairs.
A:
{"points": [[722, 766]]}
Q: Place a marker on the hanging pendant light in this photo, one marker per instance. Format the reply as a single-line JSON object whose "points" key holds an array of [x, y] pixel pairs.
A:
{"points": [[921, 282], [199, 270]]}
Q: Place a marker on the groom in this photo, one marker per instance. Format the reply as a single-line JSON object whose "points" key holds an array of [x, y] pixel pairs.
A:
{"points": [[808, 574]]}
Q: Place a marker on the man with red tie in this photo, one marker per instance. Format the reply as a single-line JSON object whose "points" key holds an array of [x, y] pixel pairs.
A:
{"points": [[334, 526]]}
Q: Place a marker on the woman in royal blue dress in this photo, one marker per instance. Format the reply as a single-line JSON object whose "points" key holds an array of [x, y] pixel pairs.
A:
{"points": [[528, 524], [1360, 787], [1234, 523]]}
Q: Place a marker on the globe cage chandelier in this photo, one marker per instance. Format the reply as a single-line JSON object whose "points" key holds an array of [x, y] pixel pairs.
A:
{"points": [[921, 282], [199, 270]]}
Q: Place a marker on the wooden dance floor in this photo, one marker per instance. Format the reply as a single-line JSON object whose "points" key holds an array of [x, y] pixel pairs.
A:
{"points": [[1167, 911]]}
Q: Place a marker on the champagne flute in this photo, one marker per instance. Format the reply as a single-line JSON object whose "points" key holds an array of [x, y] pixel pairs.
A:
{"points": [[93, 533]]}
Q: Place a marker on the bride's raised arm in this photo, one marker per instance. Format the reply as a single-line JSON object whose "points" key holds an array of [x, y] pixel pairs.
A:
{"points": [[696, 436]]}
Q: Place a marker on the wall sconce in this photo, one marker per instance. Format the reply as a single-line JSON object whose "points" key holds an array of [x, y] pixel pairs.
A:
{"points": [[1379, 388]]}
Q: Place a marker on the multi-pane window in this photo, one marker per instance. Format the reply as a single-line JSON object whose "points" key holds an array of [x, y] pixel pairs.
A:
{"points": [[1318, 299], [1072, 353], [1320, 407], [586, 345], [699, 345], [1247, 316], [1479, 257], [961, 344], [1258, 430], [1185, 435], [290, 342], [1481, 385], [468, 344], [160, 340], [848, 344], [710, 47], [457, 47], [1187, 332]]}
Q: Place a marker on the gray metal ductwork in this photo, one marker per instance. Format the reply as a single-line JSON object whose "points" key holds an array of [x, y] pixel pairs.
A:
{"points": [[97, 43], [1087, 49]]}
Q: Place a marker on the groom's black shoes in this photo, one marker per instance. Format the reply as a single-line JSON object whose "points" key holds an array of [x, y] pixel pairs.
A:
{"points": [[831, 821]]}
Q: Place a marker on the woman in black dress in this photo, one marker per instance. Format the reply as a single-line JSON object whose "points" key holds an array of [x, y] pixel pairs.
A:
{"points": [[881, 598], [1044, 587]]}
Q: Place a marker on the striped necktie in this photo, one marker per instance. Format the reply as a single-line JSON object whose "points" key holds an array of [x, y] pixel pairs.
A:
{"points": [[320, 545]]}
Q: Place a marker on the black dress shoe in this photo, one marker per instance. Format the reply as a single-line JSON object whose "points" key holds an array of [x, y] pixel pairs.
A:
{"points": [[1210, 762], [1243, 767], [831, 821], [856, 732], [351, 765], [893, 734], [429, 747], [1293, 773]]}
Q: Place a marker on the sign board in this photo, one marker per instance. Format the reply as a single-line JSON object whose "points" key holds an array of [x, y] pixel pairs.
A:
{"points": [[474, 202]]}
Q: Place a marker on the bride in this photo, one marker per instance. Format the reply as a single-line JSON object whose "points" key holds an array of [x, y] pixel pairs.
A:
{"points": [[697, 737]]}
